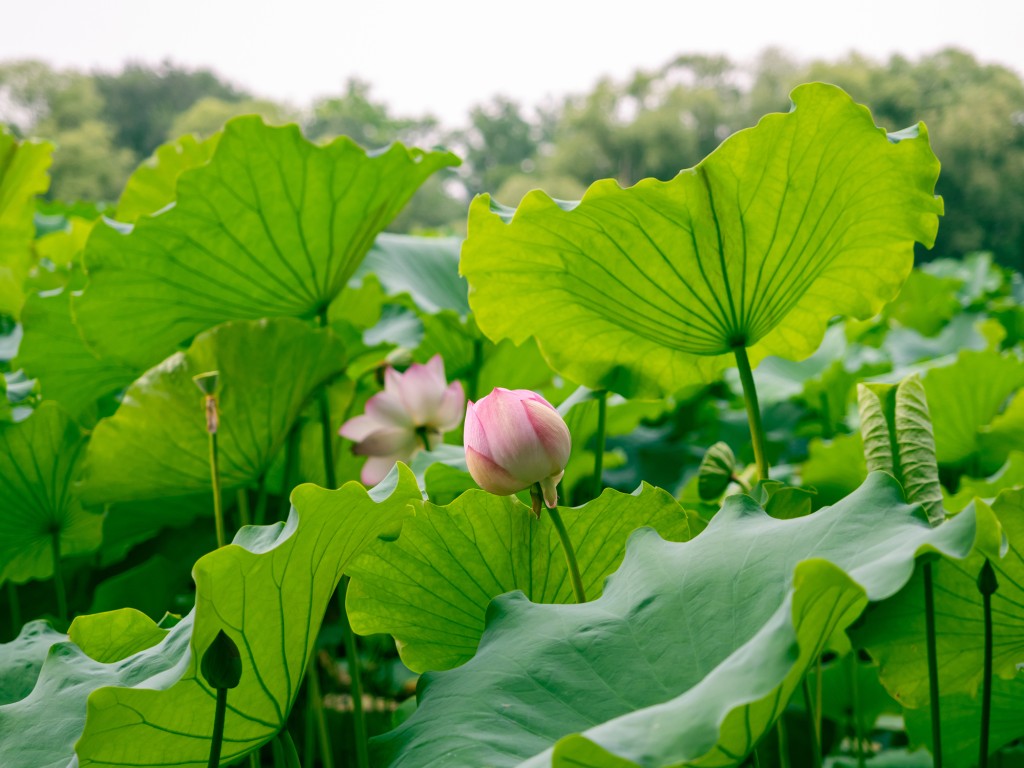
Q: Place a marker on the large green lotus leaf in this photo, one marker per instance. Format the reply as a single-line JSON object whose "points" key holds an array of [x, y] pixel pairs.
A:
{"points": [[689, 655], [268, 591], [23, 176], [644, 290], [961, 722], [272, 225], [40, 459], [431, 587], [966, 396], [22, 658], [427, 268], [52, 350], [153, 185], [894, 630], [156, 445]]}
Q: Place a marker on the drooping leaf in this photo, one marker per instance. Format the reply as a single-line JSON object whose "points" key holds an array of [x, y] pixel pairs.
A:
{"points": [[39, 464], [153, 185], [268, 592], [966, 396], [272, 225], [431, 587], [23, 176], [115, 635], [894, 631], [156, 445], [688, 656], [648, 289], [22, 658], [896, 427]]}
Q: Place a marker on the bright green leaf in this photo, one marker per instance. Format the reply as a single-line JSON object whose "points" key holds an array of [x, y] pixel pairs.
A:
{"points": [[153, 185], [431, 587], [272, 225], [39, 463], [23, 176], [156, 445], [645, 290]]}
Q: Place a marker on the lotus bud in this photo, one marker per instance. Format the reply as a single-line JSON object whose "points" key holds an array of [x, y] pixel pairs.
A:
{"points": [[515, 438]]}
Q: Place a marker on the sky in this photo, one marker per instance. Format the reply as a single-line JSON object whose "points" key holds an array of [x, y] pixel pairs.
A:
{"points": [[443, 56]]}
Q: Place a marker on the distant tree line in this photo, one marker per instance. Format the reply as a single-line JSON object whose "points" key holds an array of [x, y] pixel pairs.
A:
{"points": [[650, 125]]}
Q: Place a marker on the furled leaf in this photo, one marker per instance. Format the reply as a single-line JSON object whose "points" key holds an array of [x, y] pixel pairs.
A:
{"points": [[897, 431], [431, 587], [115, 635], [894, 631], [272, 225], [648, 289], [39, 463], [156, 445], [153, 184], [966, 396], [689, 655], [23, 176], [268, 592]]}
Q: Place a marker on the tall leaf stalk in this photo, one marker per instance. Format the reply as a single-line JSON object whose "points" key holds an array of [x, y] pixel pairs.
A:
{"points": [[987, 586], [207, 383], [351, 648], [933, 663], [753, 411], [575, 578], [602, 430], [58, 578]]}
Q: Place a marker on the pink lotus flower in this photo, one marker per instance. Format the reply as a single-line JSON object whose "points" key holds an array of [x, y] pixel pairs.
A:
{"points": [[413, 412], [515, 438]]}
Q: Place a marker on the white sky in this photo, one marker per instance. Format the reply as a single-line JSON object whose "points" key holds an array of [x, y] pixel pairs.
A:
{"points": [[443, 56]]}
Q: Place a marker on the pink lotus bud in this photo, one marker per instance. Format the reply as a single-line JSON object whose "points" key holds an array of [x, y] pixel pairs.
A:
{"points": [[412, 414], [515, 438]]}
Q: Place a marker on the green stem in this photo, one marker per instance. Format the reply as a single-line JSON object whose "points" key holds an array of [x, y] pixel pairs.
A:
{"points": [[242, 497], [602, 423], [327, 438], [218, 509], [753, 411], [316, 705], [291, 458], [780, 727], [567, 548], [260, 514], [355, 672], [933, 664], [254, 759], [58, 577], [813, 718], [858, 724], [283, 749], [987, 585], [217, 739], [15, 605], [818, 706]]}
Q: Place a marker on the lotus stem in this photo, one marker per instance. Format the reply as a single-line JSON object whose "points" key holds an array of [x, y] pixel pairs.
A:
{"points": [[355, 672], [242, 499], [933, 664], [217, 739], [602, 424], [987, 585], [753, 411], [858, 723], [58, 577], [15, 605], [316, 708], [283, 750], [813, 718], [567, 548], [780, 727]]}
